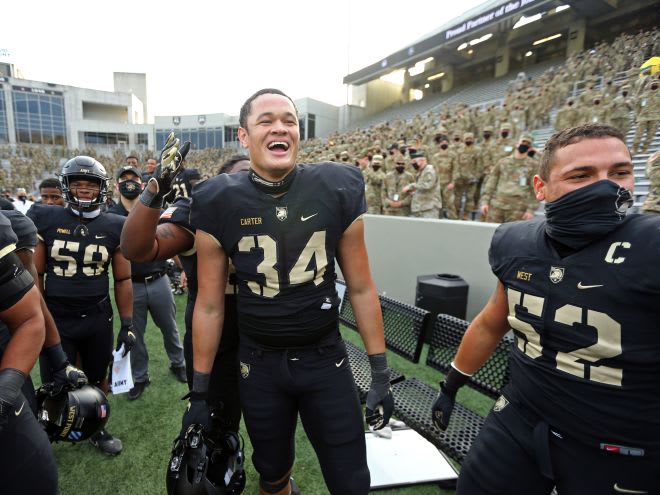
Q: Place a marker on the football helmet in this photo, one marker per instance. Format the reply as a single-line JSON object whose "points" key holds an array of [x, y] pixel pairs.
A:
{"points": [[206, 464], [83, 168], [72, 415]]}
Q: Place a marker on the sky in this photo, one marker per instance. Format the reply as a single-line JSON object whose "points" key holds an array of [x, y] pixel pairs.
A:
{"points": [[205, 57]]}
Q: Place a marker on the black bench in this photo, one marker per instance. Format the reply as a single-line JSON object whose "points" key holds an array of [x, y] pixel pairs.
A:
{"points": [[413, 399]]}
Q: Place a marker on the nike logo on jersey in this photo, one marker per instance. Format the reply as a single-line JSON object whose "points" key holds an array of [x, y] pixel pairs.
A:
{"points": [[340, 363], [304, 219], [580, 286], [618, 489], [17, 413], [99, 236]]}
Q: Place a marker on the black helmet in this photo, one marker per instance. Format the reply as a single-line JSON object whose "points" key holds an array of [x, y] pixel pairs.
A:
{"points": [[73, 415], [201, 466], [85, 168]]}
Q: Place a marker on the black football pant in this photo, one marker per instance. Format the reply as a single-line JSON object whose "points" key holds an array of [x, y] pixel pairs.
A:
{"points": [[87, 332], [27, 464], [223, 385], [315, 382], [510, 454]]}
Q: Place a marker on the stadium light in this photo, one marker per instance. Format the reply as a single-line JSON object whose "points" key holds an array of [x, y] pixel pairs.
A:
{"points": [[419, 67], [427, 86], [562, 7], [396, 77], [417, 94], [462, 46], [476, 41], [529, 53], [470, 51], [435, 76], [523, 21], [549, 38]]}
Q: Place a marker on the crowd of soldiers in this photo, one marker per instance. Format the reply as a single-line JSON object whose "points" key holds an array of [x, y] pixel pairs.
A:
{"points": [[459, 162]]}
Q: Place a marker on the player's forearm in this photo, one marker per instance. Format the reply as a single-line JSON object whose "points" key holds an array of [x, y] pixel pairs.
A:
{"points": [[52, 335], [26, 324], [369, 318], [138, 236], [479, 342], [124, 297], [207, 331]]}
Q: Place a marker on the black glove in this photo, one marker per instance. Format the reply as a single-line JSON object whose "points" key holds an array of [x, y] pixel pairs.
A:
{"points": [[126, 336], [169, 166], [380, 402], [11, 381], [444, 404], [65, 376], [198, 411]]}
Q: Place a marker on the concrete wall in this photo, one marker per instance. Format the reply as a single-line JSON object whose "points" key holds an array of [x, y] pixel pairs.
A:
{"points": [[400, 249], [327, 115]]}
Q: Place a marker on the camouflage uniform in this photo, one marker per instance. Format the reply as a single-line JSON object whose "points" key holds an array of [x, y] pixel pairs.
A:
{"points": [[392, 191], [373, 181], [652, 203], [426, 194], [567, 116], [597, 113], [648, 116], [508, 192], [619, 111], [466, 175], [504, 146], [444, 162]]}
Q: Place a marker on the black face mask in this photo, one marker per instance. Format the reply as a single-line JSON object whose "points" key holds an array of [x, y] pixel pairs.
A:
{"points": [[400, 169], [587, 214], [468, 143], [486, 136], [505, 134], [376, 168], [415, 166], [457, 140], [130, 189], [570, 104], [597, 102], [625, 93], [523, 148], [654, 87], [444, 146], [531, 153]]}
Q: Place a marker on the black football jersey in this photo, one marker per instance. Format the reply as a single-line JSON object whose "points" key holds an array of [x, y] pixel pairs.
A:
{"points": [[24, 228], [587, 326], [184, 182], [179, 214], [283, 249], [76, 266]]}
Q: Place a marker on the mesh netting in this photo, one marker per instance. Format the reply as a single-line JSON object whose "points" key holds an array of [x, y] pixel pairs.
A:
{"points": [[359, 363]]}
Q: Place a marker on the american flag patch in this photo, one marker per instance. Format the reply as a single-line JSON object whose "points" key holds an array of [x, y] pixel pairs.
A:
{"points": [[103, 410], [169, 212]]}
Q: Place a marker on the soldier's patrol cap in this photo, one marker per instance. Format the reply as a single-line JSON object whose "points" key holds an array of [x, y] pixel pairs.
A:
{"points": [[489, 128], [126, 169], [417, 154], [377, 159], [441, 130], [597, 96], [625, 86], [505, 125], [527, 137], [364, 152], [343, 153], [401, 142], [468, 135]]}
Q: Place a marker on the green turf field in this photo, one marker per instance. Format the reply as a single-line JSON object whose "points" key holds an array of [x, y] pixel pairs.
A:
{"points": [[148, 426]]}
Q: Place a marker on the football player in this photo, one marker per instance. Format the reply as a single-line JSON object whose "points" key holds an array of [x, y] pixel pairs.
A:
{"points": [[580, 289], [76, 246], [184, 182], [27, 464], [149, 235], [283, 225]]}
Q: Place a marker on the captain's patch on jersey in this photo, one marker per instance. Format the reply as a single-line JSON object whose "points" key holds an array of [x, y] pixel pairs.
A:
{"points": [[169, 212]]}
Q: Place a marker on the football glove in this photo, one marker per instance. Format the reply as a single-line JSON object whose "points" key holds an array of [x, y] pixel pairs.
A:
{"points": [[444, 404], [380, 402], [198, 411], [170, 165], [126, 336], [11, 381], [65, 376]]}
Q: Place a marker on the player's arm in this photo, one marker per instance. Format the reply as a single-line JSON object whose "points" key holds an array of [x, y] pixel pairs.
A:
{"points": [[478, 343], [121, 271], [354, 263], [39, 259], [143, 240]]}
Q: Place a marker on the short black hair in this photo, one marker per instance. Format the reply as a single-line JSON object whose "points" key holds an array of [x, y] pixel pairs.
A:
{"points": [[226, 167], [247, 106], [50, 182], [132, 156]]}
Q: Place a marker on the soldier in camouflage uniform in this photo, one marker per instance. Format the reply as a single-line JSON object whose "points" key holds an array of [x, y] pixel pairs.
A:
{"points": [[652, 203], [444, 162], [395, 201], [567, 116], [509, 195], [374, 177], [597, 111], [505, 143], [425, 190], [466, 174], [648, 116], [619, 110]]}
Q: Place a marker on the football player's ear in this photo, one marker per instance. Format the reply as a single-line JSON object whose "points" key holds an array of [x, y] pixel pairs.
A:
{"points": [[539, 188], [242, 137]]}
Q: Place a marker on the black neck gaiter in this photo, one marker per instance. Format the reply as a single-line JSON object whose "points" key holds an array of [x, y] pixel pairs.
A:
{"points": [[269, 187]]}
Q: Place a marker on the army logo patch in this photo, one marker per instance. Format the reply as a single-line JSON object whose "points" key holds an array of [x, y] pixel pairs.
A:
{"points": [[556, 274], [281, 213], [245, 370], [500, 404]]}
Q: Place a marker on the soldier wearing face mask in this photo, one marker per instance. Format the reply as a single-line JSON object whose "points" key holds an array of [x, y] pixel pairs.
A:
{"points": [[425, 190], [505, 143], [466, 175], [444, 161], [395, 201], [619, 110], [597, 113], [567, 116], [374, 177], [508, 194], [648, 116]]}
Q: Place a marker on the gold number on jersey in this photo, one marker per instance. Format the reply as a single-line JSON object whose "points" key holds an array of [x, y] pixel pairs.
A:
{"points": [[181, 189], [607, 345], [300, 273], [91, 267]]}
